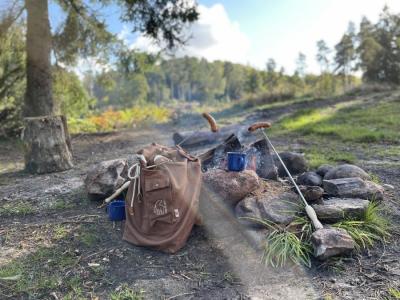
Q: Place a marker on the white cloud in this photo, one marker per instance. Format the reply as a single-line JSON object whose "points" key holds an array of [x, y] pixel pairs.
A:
{"points": [[214, 36], [301, 29], [90, 64]]}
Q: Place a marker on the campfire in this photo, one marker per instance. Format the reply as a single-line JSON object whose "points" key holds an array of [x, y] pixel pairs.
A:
{"points": [[261, 196]]}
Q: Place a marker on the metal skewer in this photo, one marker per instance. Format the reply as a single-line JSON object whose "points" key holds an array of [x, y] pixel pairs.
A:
{"points": [[309, 210]]}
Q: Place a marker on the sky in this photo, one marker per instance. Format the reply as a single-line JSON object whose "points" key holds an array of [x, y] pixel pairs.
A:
{"points": [[252, 31]]}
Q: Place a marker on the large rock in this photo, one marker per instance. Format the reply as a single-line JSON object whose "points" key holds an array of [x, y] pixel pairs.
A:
{"points": [[232, 186], [328, 242], [353, 187], [337, 209], [310, 193], [309, 178], [104, 178], [295, 162], [346, 171], [277, 204], [323, 169]]}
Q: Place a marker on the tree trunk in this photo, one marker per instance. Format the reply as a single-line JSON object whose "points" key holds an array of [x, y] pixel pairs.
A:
{"points": [[46, 139], [39, 96], [47, 144]]}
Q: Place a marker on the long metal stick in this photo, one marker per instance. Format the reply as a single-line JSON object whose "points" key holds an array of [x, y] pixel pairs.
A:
{"points": [[310, 211]]}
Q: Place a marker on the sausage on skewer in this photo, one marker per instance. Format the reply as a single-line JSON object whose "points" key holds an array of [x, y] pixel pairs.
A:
{"points": [[259, 125], [211, 121]]}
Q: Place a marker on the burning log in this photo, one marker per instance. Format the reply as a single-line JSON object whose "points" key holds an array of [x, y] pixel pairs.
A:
{"points": [[259, 158], [264, 163], [215, 157], [193, 139]]}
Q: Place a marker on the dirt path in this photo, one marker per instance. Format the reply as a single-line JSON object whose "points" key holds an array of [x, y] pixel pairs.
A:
{"points": [[49, 230]]}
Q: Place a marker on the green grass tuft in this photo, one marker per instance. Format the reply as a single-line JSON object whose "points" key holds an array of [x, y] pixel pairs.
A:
{"points": [[20, 208], [291, 243], [394, 293], [87, 235], [375, 178], [126, 293], [374, 227]]}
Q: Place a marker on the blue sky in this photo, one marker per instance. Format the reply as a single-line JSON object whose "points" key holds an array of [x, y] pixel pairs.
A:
{"points": [[252, 31]]}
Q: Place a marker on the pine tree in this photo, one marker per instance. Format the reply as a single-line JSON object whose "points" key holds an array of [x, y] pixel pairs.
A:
{"points": [[301, 65], [346, 54], [369, 51], [323, 56]]}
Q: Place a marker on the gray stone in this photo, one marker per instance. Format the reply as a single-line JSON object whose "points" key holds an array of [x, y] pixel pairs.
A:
{"points": [[104, 178], [311, 193], [248, 208], [328, 242], [295, 162], [388, 187], [309, 178], [279, 208], [337, 209], [353, 187], [323, 169], [346, 171], [231, 186]]}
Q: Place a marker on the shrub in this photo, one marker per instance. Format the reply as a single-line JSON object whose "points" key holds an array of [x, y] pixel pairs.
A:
{"points": [[118, 119]]}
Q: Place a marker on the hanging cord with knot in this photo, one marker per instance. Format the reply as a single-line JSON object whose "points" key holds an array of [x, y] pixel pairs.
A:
{"points": [[136, 184], [135, 177]]}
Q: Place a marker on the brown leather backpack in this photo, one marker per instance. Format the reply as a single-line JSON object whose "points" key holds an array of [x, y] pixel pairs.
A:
{"points": [[162, 199]]}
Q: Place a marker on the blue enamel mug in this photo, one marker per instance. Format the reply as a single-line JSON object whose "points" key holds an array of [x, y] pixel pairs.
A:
{"points": [[116, 210], [236, 161]]}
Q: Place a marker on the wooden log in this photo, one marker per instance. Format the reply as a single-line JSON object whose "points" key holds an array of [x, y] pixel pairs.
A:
{"points": [[47, 144], [215, 156], [193, 138], [265, 166]]}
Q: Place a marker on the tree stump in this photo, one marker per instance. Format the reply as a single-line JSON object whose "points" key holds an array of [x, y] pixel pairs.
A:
{"points": [[47, 144]]}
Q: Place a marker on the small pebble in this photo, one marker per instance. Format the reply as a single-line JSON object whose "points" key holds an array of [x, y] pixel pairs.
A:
{"points": [[388, 186]]}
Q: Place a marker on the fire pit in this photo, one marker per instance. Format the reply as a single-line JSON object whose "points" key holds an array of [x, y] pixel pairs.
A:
{"points": [[261, 196]]}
